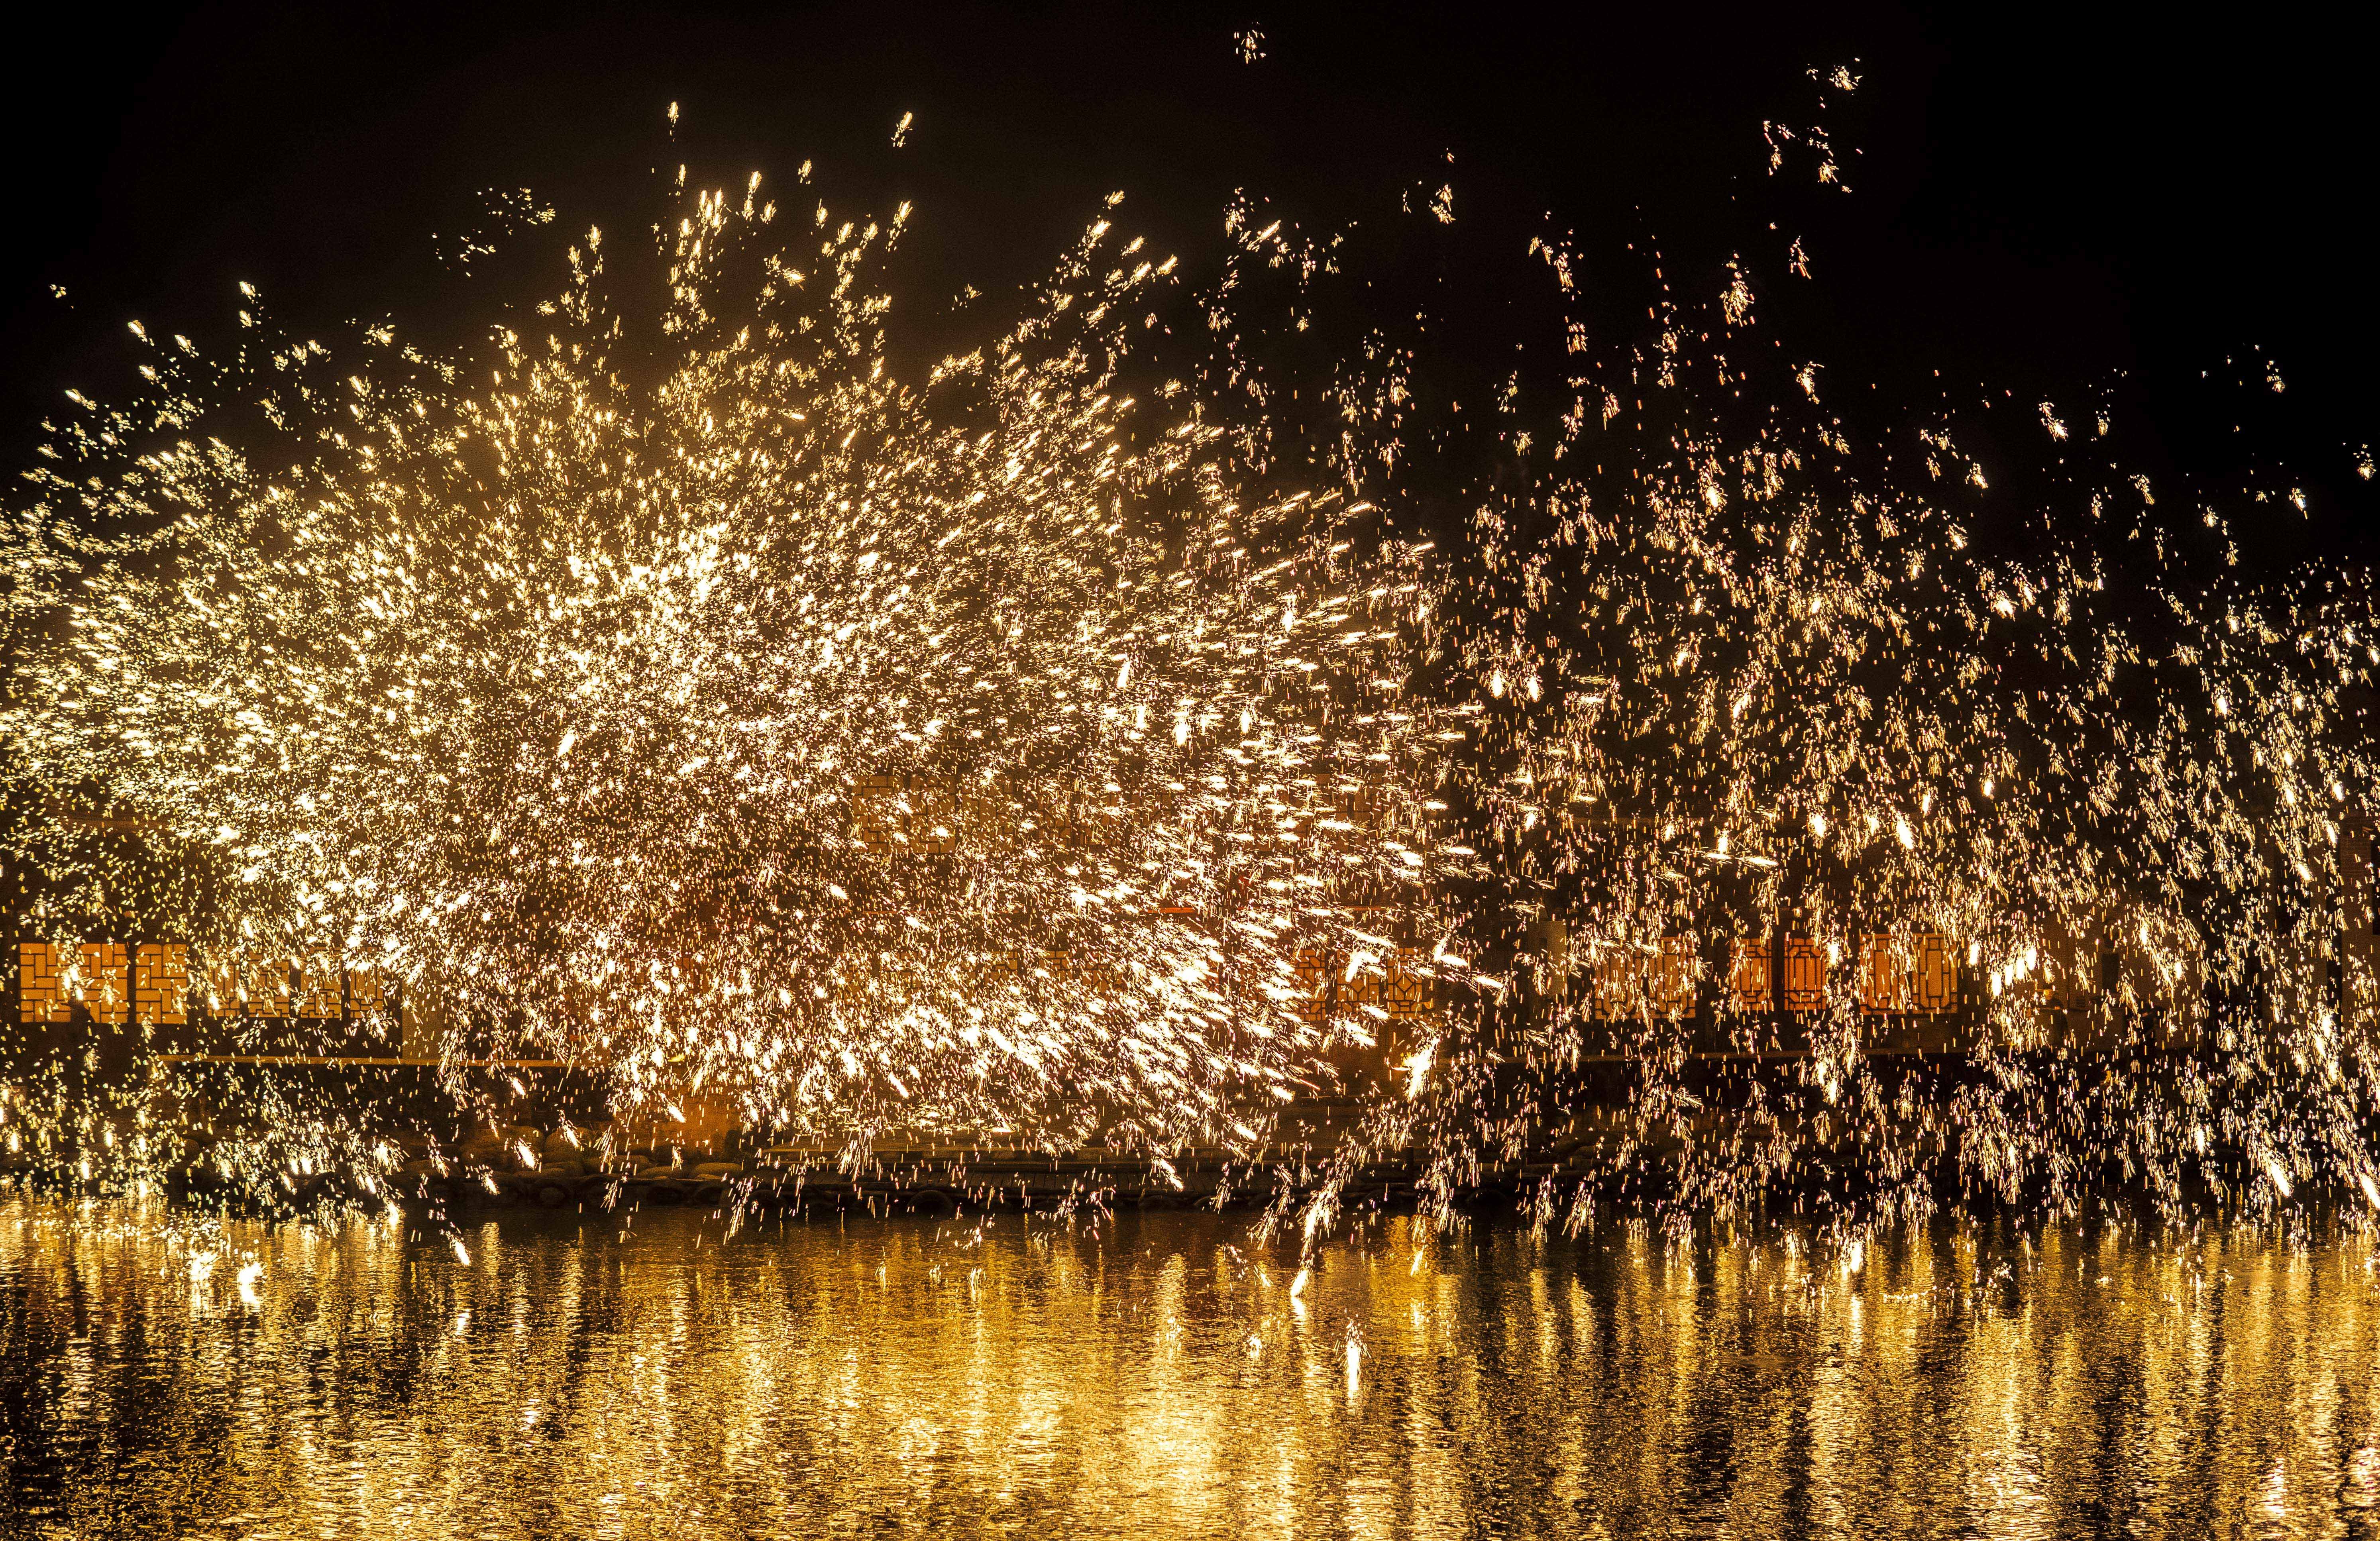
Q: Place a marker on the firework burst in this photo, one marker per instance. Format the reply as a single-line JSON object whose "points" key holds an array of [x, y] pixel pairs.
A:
{"points": [[732, 713], [683, 690]]}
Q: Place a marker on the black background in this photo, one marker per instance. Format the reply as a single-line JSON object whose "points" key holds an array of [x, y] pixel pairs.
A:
{"points": [[2043, 197]]}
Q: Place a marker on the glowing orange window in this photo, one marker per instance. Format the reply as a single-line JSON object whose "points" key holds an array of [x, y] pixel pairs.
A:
{"points": [[367, 992], [265, 985], [222, 978], [933, 820], [1935, 986], [1618, 983], [876, 813], [1805, 976], [1049, 810], [1671, 979], [105, 991], [40, 997], [1361, 990], [991, 974], [1747, 973], [1102, 985], [1884, 982], [986, 817], [1309, 978], [317, 990], [1409, 991], [161, 983]]}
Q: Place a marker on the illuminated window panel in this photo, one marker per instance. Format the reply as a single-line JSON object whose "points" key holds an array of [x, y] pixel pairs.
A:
{"points": [[1618, 983], [317, 990], [1409, 991], [1360, 803], [1049, 809], [1806, 974], [1101, 822], [1933, 987], [1100, 983], [105, 990], [987, 817], [160, 984], [1310, 978], [876, 813], [1669, 976], [264, 986], [221, 979], [990, 975], [367, 992], [933, 820], [1748, 984], [1883, 979], [40, 997], [1362, 990], [892, 815], [1907, 972], [1088, 984]]}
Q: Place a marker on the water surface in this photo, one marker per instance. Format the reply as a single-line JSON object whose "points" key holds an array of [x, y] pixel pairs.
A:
{"points": [[1158, 1376]]}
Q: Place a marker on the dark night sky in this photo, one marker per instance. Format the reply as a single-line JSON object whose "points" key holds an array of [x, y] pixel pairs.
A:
{"points": [[2041, 197]]}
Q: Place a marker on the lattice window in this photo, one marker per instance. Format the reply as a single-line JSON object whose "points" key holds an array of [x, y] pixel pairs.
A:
{"points": [[317, 990], [264, 986], [161, 983], [1883, 975], [1360, 803], [367, 992], [1935, 984], [1100, 983], [895, 814], [1806, 974], [106, 993], [1913, 972], [933, 820], [990, 975], [1310, 979], [40, 996], [876, 813], [1049, 809], [1363, 989], [1409, 991], [1748, 982], [1100, 820], [988, 818], [221, 981], [1669, 976], [1618, 983]]}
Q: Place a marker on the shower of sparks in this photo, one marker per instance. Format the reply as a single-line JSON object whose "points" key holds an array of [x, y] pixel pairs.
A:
{"points": [[751, 727], [689, 693]]}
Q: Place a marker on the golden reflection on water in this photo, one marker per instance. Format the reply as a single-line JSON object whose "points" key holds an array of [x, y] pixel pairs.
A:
{"points": [[1152, 1375]]}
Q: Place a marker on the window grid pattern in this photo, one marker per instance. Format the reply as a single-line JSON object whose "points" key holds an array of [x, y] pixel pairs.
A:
{"points": [[1805, 976], [106, 993], [1748, 984], [41, 994], [317, 990], [160, 984]]}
